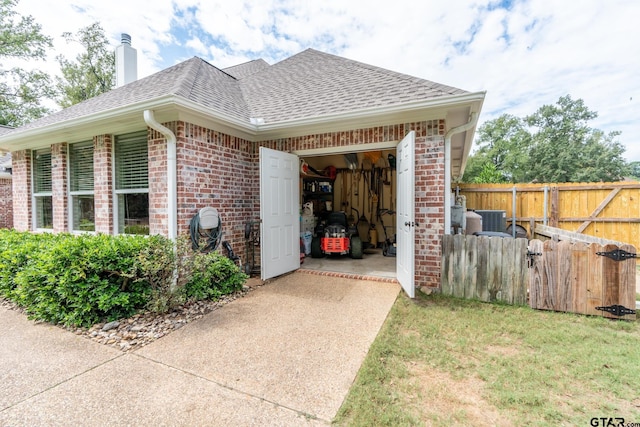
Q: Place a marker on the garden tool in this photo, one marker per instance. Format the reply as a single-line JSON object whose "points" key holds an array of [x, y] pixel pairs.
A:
{"points": [[363, 224]]}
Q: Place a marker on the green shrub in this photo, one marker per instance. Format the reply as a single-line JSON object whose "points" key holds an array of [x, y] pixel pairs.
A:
{"points": [[16, 251], [82, 280], [197, 276], [212, 276], [158, 267], [85, 279]]}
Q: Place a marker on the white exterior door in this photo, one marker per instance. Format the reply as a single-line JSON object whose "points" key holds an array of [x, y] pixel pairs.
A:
{"points": [[405, 217], [279, 213]]}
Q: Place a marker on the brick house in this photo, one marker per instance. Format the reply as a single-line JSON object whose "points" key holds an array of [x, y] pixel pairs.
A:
{"points": [[148, 155], [6, 185], [6, 191]]}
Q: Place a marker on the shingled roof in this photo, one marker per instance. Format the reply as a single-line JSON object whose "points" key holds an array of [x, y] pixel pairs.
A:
{"points": [[248, 68], [309, 84], [313, 83], [194, 79]]}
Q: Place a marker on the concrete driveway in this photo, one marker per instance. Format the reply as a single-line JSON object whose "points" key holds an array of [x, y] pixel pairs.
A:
{"points": [[285, 354]]}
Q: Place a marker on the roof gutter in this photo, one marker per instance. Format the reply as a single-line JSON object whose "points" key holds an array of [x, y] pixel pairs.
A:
{"points": [[473, 119], [358, 115], [172, 186], [13, 141]]}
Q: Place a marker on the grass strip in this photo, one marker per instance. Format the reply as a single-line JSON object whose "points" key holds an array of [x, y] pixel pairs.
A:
{"points": [[446, 361]]}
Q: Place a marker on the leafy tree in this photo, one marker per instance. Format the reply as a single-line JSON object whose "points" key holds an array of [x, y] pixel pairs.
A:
{"points": [[489, 175], [565, 149], [635, 169], [503, 143], [21, 91], [93, 70], [555, 144]]}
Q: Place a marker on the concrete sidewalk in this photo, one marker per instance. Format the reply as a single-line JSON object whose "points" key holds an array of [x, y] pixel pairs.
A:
{"points": [[285, 354]]}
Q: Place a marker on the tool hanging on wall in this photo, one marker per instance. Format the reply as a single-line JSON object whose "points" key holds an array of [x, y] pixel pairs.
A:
{"points": [[373, 191], [372, 157], [350, 218], [373, 202], [392, 167], [343, 190], [363, 224], [351, 159], [380, 191]]}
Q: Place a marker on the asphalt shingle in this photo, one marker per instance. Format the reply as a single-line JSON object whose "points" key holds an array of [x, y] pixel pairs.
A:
{"points": [[193, 79], [241, 71], [309, 84], [313, 83]]}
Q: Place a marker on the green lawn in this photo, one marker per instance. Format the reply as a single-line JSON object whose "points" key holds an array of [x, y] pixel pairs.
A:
{"points": [[444, 361]]}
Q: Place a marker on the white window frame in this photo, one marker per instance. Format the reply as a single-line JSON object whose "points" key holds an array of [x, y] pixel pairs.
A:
{"points": [[39, 195], [74, 193], [118, 192]]}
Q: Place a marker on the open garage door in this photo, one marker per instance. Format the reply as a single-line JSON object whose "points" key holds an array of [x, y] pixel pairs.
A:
{"points": [[279, 213], [405, 217]]}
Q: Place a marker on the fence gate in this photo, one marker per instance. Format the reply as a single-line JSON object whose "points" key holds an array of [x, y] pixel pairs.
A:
{"points": [[582, 278], [586, 278], [486, 268]]}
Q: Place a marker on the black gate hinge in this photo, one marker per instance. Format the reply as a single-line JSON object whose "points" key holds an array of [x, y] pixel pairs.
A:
{"points": [[617, 255], [617, 310]]}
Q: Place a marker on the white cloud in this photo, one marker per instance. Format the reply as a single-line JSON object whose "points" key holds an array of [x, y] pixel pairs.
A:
{"points": [[526, 55], [197, 46]]}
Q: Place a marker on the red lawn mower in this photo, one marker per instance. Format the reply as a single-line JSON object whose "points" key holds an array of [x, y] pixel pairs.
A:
{"points": [[336, 237]]}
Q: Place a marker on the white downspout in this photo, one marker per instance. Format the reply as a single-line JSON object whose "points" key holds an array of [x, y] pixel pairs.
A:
{"points": [[172, 185], [473, 119]]}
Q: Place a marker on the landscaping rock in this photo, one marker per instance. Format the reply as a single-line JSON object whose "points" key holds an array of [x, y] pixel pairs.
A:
{"points": [[426, 290], [111, 325], [145, 327]]}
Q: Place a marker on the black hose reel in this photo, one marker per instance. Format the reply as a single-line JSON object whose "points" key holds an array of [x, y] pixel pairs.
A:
{"points": [[207, 225]]}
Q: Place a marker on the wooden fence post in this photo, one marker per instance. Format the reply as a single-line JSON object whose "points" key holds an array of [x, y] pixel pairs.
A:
{"points": [[553, 220]]}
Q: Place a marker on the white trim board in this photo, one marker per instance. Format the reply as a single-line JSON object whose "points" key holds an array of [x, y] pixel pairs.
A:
{"points": [[355, 148]]}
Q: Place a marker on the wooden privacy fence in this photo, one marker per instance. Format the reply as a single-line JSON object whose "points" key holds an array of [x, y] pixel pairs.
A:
{"points": [[560, 276], [575, 277], [486, 268], [605, 210]]}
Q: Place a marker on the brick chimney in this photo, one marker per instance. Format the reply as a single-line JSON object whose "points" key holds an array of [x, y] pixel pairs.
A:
{"points": [[126, 62]]}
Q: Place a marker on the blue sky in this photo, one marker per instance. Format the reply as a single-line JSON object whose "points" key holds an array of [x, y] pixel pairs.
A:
{"points": [[523, 53]]}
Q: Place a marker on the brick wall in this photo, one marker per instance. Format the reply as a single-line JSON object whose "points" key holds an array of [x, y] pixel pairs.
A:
{"points": [[103, 183], [59, 187], [219, 171], [429, 170], [429, 205], [103, 187], [21, 177], [158, 190], [222, 171], [6, 203]]}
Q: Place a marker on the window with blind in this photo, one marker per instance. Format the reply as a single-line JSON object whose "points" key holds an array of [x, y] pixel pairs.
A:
{"points": [[42, 193], [81, 186], [132, 183]]}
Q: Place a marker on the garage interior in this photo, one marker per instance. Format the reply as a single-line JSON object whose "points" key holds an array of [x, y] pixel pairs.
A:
{"points": [[363, 186]]}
